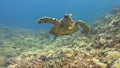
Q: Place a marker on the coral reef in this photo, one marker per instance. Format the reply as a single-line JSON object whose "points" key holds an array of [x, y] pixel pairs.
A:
{"points": [[14, 41], [100, 49], [116, 9]]}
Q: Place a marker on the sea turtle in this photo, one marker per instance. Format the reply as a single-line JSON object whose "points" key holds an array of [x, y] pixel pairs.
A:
{"points": [[64, 26]]}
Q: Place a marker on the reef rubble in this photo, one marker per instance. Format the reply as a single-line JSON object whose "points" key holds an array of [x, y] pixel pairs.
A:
{"points": [[98, 49]]}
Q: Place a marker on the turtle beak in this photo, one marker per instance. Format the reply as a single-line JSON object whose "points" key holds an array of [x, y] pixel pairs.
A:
{"points": [[67, 17]]}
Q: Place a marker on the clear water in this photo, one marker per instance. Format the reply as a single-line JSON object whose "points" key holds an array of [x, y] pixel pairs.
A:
{"points": [[25, 13]]}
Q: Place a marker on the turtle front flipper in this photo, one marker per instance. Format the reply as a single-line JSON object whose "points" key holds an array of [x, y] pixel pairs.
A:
{"points": [[48, 20], [83, 25]]}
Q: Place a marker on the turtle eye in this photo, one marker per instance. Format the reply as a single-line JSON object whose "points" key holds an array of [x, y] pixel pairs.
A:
{"points": [[66, 16]]}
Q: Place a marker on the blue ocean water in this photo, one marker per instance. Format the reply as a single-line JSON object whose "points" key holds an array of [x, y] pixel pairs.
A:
{"points": [[25, 13]]}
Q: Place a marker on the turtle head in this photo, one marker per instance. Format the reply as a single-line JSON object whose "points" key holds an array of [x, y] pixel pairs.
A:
{"points": [[67, 17]]}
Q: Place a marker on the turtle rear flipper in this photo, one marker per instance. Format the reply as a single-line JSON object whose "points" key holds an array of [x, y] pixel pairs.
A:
{"points": [[83, 25], [54, 38], [48, 20]]}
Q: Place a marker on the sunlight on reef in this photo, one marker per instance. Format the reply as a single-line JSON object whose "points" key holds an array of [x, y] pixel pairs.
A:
{"points": [[99, 49]]}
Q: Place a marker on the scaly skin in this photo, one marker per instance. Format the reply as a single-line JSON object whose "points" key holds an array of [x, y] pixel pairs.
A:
{"points": [[65, 26]]}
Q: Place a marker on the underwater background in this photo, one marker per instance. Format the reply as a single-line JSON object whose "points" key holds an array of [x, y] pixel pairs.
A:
{"points": [[26, 44], [25, 13]]}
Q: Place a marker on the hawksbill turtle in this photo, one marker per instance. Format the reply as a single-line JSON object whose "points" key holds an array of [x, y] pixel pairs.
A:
{"points": [[64, 26]]}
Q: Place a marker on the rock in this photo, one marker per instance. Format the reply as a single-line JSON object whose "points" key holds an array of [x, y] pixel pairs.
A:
{"points": [[97, 62], [2, 61], [102, 40], [116, 64], [118, 36], [68, 52]]}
